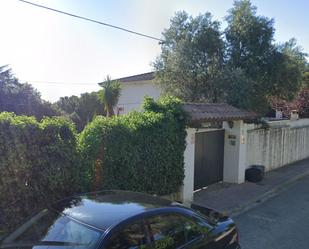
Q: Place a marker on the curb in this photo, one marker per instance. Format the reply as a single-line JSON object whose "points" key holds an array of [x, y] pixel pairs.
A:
{"points": [[266, 196]]}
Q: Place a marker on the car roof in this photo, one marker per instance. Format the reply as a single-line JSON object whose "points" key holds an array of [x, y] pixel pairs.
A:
{"points": [[106, 208]]}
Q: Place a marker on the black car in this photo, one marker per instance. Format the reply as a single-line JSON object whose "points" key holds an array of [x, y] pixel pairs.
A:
{"points": [[121, 220]]}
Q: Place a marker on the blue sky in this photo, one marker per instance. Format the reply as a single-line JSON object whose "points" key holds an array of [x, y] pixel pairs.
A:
{"points": [[43, 46]]}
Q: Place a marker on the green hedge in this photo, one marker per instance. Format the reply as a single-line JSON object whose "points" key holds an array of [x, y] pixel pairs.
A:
{"points": [[141, 151], [39, 163]]}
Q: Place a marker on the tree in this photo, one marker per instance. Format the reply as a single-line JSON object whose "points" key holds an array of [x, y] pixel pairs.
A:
{"points": [[191, 59], [238, 89], [287, 70], [249, 39], [303, 102], [299, 103], [249, 49], [67, 105], [305, 78], [109, 95], [81, 110], [244, 69], [273, 70], [21, 98], [3, 69]]}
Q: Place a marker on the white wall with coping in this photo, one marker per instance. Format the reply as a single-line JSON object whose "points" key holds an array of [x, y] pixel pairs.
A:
{"points": [[283, 143], [133, 93], [234, 152], [188, 182], [246, 144], [290, 123]]}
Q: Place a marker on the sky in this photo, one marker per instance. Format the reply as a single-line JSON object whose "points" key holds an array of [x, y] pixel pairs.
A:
{"points": [[64, 56]]}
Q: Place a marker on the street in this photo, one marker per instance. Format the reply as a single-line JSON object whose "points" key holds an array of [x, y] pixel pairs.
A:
{"points": [[279, 223]]}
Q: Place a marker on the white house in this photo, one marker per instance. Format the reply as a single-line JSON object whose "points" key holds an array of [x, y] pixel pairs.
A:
{"points": [[134, 89]]}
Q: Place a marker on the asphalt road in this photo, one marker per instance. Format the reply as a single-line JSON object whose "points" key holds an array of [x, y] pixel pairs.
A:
{"points": [[279, 223]]}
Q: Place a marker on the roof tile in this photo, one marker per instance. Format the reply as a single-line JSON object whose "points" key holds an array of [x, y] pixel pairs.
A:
{"points": [[205, 112], [138, 77]]}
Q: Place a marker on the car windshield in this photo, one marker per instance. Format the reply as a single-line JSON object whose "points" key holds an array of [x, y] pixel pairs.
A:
{"points": [[49, 229]]}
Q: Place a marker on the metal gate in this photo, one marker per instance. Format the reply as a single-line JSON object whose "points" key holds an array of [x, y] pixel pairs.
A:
{"points": [[209, 153]]}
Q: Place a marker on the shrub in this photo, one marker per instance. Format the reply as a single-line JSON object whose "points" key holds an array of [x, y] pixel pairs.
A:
{"points": [[300, 103], [141, 151], [38, 164]]}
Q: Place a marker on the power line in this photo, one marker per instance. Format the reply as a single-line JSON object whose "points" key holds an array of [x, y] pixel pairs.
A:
{"points": [[92, 20], [61, 83]]}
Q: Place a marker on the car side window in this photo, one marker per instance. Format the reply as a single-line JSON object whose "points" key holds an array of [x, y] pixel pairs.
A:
{"points": [[171, 231], [132, 236]]}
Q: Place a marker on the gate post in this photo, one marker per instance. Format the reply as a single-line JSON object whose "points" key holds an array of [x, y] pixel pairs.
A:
{"points": [[188, 182], [235, 150]]}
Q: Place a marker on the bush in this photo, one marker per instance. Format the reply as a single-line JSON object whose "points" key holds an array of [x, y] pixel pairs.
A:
{"points": [[141, 151], [300, 103], [38, 165]]}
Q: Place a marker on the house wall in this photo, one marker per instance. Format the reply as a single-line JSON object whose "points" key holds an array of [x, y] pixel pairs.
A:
{"points": [[283, 143], [188, 182], [133, 93]]}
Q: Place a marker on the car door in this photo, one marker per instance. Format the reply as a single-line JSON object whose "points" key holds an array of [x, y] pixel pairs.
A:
{"points": [[173, 230], [129, 236], [161, 231]]}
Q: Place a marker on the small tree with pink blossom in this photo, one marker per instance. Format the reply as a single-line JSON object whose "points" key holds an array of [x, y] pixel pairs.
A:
{"points": [[300, 103]]}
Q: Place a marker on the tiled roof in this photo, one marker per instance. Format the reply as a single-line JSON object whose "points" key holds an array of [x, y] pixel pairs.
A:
{"points": [[138, 77], [205, 112]]}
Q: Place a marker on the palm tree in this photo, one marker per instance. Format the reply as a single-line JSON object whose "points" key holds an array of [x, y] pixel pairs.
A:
{"points": [[109, 95], [4, 71]]}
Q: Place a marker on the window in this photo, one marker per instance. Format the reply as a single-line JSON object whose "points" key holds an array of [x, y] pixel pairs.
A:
{"points": [[171, 231], [158, 232], [130, 237], [51, 228]]}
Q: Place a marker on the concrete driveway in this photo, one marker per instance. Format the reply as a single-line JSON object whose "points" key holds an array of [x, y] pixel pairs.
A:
{"points": [[281, 222]]}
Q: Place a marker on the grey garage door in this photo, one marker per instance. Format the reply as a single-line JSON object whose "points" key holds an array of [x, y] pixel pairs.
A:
{"points": [[209, 153]]}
